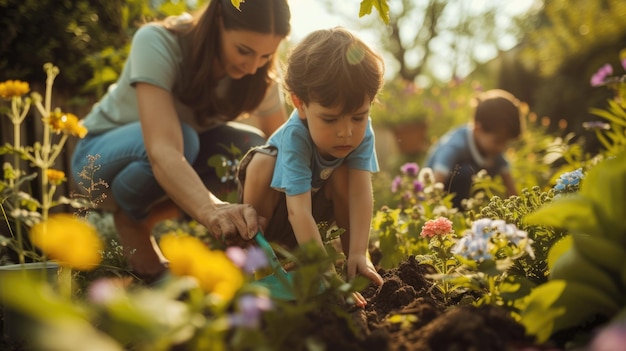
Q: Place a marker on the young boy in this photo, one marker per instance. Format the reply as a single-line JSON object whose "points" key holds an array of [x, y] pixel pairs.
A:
{"points": [[317, 166], [462, 152]]}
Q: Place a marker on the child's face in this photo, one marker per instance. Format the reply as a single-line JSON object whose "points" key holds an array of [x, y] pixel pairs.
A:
{"points": [[335, 135], [491, 144]]}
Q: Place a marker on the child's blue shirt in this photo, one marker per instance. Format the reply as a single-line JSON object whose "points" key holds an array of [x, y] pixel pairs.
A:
{"points": [[300, 167]]}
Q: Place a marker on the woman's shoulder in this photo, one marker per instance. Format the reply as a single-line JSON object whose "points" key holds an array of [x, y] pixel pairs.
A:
{"points": [[153, 31]]}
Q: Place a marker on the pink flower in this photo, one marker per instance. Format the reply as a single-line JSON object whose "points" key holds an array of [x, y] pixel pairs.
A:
{"points": [[601, 75], [436, 227]]}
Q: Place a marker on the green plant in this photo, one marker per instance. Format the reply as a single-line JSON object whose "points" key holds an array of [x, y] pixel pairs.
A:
{"points": [[587, 280], [418, 198], [210, 302], [485, 253], [441, 240], [611, 136], [226, 169], [20, 209]]}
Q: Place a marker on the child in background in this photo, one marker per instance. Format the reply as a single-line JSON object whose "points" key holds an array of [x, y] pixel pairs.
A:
{"points": [[317, 166], [464, 151]]}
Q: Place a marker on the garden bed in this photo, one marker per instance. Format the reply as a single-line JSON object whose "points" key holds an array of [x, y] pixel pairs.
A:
{"points": [[405, 313]]}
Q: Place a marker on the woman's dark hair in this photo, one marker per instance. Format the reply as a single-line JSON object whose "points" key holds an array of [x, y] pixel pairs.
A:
{"points": [[200, 41]]}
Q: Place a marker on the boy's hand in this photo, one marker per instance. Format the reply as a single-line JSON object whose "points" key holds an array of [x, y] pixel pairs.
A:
{"points": [[360, 264]]}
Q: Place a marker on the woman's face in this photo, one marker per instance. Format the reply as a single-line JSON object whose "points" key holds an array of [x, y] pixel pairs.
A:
{"points": [[244, 52]]}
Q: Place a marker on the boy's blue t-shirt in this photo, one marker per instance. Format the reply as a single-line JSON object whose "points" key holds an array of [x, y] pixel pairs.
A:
{"points": [[456, 155], [300, 167]]}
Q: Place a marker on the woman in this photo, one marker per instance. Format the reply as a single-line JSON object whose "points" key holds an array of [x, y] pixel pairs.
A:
{"points": [[185, 79]]}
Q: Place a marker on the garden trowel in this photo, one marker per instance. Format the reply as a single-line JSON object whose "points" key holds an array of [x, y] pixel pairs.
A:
{"points": [[280, 282]]}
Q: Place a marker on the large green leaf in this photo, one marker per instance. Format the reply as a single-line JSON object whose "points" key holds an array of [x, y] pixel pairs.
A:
{"points": [[558, 305], [540, 313], [605, 187], [569, 212]]}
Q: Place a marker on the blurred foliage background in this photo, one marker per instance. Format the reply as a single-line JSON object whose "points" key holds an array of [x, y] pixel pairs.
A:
{"points": [[559, 45]]}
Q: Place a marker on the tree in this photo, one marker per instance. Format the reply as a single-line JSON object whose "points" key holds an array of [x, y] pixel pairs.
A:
{"points": [[570, 41], [436, 40]]}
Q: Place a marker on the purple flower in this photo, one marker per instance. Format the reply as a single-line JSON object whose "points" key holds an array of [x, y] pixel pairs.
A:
{"points": [[249, 260], [410, 169], [599, 125], [105, 290], [395, 184], [600, 76], [237, 255], [256, 259], [611, 337], [249, 310], [418, 186]]}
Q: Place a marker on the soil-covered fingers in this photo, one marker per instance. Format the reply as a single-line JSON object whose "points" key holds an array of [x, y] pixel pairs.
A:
{"points": [[359, 300], [230, 220]]}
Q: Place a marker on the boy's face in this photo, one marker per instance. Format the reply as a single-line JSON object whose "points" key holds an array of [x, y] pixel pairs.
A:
{"points": [[335, 135], [491, 144]]}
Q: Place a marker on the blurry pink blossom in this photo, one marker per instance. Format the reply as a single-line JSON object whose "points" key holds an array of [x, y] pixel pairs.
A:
{"points": [[436, 227]]}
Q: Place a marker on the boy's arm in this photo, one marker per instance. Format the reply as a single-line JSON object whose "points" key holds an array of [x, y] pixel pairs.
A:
{"points": [[509, 183], [361, 206], [300, 215]]}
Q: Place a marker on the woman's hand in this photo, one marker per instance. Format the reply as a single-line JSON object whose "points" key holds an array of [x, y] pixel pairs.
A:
{"points": [[226, 219]]}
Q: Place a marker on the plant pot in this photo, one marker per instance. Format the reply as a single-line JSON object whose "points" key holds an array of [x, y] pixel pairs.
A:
{"points": [[412, 137], [12, 320]]}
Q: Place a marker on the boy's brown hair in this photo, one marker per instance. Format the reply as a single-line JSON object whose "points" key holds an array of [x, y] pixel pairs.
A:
{"points": [[334, 68], [498, 111]]}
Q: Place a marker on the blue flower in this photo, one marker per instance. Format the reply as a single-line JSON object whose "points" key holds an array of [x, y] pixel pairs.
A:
{"points": [[477, 245], [569, 182]]}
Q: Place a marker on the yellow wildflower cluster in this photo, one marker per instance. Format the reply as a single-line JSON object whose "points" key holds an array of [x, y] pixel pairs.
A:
{"points": [[73, 242], [189, 256], [13, 88], [62, 122], [55, 177]]}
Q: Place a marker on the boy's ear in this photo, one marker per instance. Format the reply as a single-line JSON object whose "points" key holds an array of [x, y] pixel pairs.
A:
{"points": [[298, 104]]}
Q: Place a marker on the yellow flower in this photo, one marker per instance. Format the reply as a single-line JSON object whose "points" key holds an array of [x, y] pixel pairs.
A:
{"points": [[66, 123], [189, 256], [71, 241], [55, 177], [13, 88]]}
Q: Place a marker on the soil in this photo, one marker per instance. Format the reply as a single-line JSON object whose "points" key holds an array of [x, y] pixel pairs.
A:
{"points": [[406, 314]]}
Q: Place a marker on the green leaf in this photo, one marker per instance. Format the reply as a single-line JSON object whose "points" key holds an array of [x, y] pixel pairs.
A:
{"points": [[558, 249], [381, 6], [605, 187], [540, 314], [515, 287], [569, 211], [4, 241], [237, 3], [559, 304], [101, 78]]}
